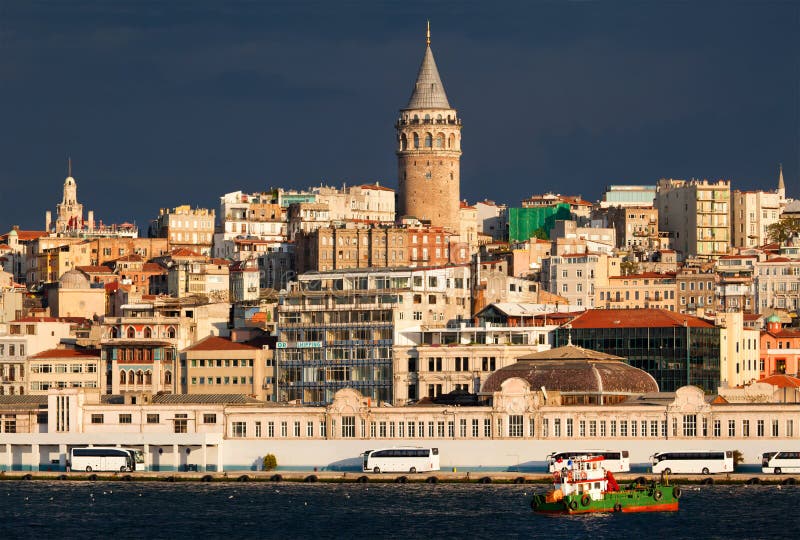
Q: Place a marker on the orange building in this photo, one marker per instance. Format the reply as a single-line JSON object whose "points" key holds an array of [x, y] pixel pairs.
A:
{"points": [[780, 349]]}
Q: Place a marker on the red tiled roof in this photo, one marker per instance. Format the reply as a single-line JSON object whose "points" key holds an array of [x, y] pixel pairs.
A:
{"points": [[785, 333], [719, 400], [153, 267], [751, 316], [133, 257], [5, 246], [215, 343], [739, 257], [27, 235], [185, 252], [636, 318], [782, 381], [65, 353]]}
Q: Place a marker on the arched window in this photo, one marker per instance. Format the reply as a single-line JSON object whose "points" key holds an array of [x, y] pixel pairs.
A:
{"points": [[11, 390], [22, 390], [122, 377], [167, 377], [113, 333], [148, 377], [403, 142], [139, 377], [148, 333], [451, 143], [416, 140], [131, 332], [427, 118], [171, 332], [428, 140], [439, 117], [440, 140], [416, 118]]}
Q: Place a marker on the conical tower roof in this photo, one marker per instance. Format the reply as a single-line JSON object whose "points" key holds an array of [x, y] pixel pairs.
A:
{"points": [[428, 90]]}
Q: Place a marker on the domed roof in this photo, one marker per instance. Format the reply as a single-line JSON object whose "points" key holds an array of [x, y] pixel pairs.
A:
{"points": [[773, 318], [73, 279], [70, 181], [13, 232], [574, 369]]}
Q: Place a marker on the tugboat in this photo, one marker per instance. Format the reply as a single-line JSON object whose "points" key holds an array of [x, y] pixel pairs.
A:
{"points": [[584, 486]]}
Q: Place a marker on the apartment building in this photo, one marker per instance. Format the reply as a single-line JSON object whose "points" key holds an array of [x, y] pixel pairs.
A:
{"points": [[437, 360], [338, 328], [185, 228], [26, 337], [696, 213], [216, 365], [696, 289], [735, 286], [64, 368], [633, 291], [635, 226], [577, 277], [752, 212]]}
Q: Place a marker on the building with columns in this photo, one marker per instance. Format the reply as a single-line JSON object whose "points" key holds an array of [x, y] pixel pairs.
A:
{"points": [[429, 151]]}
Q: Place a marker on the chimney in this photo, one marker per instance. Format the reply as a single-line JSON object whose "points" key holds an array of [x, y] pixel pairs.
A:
{"points": [[48, 219], [91, 220]]}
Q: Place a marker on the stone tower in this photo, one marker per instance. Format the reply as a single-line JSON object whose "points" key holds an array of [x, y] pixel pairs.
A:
{"points": [[429, 151], [69, 211]]}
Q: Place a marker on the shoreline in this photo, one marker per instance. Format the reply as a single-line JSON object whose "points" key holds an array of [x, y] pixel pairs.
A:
{"points": [[332, 477]]}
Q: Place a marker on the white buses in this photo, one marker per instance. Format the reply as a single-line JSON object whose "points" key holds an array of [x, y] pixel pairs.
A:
{"points": [[613, 460], [780, 462], [695, 462], [401, 459], [104, 459]]}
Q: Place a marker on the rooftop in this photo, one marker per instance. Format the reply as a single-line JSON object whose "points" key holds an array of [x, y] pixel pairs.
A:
{"points": [[65, 353], [636, 318]]}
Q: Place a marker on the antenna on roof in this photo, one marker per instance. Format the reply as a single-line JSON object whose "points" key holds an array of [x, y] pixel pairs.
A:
{"points": [[69, 166], [569, 334]]}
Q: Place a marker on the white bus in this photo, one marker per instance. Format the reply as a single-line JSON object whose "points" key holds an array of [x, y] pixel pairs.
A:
{"points": [[401, 459], [694, 462], [104, 459], [613, 460], [780, 462]]}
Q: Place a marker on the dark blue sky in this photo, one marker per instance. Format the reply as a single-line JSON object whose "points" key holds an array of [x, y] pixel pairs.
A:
{"points": [[180, 102]]}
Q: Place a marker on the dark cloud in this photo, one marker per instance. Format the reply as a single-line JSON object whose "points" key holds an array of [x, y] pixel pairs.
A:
{"points": [[168, 103]]}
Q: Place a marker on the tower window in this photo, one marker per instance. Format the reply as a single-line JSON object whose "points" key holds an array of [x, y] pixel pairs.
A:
{"points": [[428, 140], [416, 140], [440, 140]]}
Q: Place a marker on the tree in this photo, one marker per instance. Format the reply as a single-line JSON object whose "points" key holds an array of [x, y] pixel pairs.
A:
{"points": [[738, 459], [784, 229], [270, 462], [629, 267]]}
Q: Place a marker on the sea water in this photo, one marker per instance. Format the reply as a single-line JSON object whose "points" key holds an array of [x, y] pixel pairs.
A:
{"points": [[148, 510]]}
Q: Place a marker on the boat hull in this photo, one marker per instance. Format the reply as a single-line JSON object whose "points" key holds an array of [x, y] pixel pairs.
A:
{"points": [[656, 498]]}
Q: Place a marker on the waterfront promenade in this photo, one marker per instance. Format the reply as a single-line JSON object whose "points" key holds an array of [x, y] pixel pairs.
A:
{"points": [[358, 477]]}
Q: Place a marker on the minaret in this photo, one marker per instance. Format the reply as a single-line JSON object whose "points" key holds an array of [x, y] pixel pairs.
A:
{"points": [[429, 150], [781, 185]]}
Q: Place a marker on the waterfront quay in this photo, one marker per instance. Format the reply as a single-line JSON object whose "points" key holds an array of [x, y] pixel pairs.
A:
{"points": [[336, 477]]}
